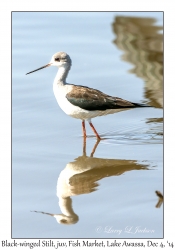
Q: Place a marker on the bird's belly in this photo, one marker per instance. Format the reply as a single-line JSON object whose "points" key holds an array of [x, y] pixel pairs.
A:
{"points": [[72, 110]]}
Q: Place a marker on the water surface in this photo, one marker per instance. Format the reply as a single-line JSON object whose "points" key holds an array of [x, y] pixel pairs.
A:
{"points": [[98, 191]]}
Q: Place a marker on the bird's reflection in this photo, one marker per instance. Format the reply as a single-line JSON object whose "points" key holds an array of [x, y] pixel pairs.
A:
{"points": [[81, 177]]}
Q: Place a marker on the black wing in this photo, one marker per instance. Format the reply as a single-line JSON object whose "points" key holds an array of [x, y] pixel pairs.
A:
{"points": [[92, 99]]}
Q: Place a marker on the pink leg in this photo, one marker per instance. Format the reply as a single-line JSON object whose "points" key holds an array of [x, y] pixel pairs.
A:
{"points": [[84, 129], [97, 135], [94, 148], [84, 146]]}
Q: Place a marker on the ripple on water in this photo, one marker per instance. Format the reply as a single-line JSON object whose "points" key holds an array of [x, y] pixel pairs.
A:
{"points": [[135, 134]]}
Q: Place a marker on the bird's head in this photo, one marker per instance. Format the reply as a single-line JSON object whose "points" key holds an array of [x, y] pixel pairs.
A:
{"points": [[59, 59]]}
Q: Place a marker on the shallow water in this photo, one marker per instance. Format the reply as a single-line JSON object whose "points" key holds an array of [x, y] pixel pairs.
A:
{"points": [[100, 191]]}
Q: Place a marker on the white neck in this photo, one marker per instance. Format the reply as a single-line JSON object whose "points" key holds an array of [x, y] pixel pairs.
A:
{"points": [[62, 74], [66, 206]]}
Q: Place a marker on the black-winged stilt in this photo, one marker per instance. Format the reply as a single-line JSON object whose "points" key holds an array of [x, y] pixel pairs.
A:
{"points": [[82, 102]]}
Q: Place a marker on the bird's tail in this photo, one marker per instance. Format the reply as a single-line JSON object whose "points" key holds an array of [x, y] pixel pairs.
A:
{"points": [[141, 105]]}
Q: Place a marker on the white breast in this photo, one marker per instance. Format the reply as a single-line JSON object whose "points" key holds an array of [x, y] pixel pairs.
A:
{"points": [[60, 92]]}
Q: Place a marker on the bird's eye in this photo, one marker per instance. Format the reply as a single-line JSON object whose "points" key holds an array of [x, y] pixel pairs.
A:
{"points": [[57, 59]]}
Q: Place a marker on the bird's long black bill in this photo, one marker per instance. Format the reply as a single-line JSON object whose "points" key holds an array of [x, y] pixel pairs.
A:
{"points": [[45, 66]]}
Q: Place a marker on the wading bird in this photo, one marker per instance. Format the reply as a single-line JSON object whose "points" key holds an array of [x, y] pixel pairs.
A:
{"points": [[82, 102]]}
